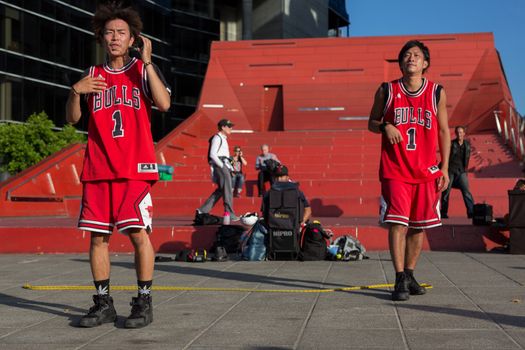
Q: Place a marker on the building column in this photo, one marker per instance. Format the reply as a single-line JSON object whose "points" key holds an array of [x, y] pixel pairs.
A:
{"points": [[247, 15]]}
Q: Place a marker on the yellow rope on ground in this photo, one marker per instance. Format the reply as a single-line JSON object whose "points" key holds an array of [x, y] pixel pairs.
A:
{"points": [[218, 289]]}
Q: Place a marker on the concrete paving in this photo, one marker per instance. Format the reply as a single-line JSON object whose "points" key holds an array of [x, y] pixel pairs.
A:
{"points": [[477, 303]]}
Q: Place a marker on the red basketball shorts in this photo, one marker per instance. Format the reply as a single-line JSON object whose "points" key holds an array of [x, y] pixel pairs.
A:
{"points": [[413, 205], [123, 204]]}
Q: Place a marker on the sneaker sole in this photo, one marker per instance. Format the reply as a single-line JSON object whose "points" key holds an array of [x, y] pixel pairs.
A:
{"points": [[98, 323], [416, 292], [140, 323], [400, 297]]}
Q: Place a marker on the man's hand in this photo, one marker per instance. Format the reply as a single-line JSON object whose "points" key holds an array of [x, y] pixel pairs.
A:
{"points": [[145, 51], [392, 134], [443, 181], [89, 85]]}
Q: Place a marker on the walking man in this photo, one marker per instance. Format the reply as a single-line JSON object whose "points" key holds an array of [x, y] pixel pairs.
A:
{"points": [[411, 115], [221, 167]]}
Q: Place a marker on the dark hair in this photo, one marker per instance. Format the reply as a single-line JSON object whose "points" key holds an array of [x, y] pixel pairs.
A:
{"points": [[519, 183], [410, 44], [460, 127], [111, 10]]}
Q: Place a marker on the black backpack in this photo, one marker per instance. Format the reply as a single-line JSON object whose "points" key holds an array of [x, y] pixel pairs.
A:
{"points": [[313, 242], [271, 165], [229, 237], [209, 146], [282, 216], [206, 219]]}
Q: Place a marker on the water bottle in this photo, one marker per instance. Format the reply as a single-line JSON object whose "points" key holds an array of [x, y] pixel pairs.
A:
{"points": [[226, 218]]}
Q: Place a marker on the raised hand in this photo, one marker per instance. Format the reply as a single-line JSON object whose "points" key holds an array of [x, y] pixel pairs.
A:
{"points": [[145, 51], [89, 84]]}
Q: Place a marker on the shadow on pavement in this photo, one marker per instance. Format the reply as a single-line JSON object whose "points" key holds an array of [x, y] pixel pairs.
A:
{"points": [[42, 306], [232, 276], [509, 320]]}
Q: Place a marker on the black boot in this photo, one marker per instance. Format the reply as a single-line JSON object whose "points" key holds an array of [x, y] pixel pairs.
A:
{"points": [[413, 286], [401, 292], [102, 312], [141, 312]]}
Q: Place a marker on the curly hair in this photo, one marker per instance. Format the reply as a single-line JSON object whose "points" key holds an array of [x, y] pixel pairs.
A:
{"points": [[111, 10]]}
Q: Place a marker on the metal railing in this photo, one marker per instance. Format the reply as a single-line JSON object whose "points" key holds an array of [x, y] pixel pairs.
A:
{"points": [[511, 126]]}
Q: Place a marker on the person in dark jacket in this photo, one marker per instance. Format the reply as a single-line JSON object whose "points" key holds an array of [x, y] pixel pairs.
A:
{"points": [[457, 172]]}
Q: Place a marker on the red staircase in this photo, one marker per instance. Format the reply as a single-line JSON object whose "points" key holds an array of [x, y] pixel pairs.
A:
{"points": [[312, 98], [337, 170]]}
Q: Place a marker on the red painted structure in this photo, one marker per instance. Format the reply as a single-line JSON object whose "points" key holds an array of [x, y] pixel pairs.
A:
{"points": [[309, 99]]}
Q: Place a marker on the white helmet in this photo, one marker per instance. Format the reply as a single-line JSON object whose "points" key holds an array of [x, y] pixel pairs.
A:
{"points": [[249, 219]]}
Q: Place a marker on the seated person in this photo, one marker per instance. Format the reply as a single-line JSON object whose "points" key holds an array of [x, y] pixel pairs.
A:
{"points": [[238, 162], [282, 183], [265, 173]]}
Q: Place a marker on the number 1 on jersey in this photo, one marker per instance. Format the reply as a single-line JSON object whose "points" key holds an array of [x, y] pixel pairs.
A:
{"points": [[411, 133], [118, 131]]}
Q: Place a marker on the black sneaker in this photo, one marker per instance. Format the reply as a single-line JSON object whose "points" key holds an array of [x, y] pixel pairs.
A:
{"points": [[414, 287], [102, 312], [141, 312], [401, 292]]}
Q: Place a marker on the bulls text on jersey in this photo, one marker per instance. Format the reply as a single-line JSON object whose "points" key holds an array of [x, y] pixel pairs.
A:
{"points": [[405, 115], [109, 98]]}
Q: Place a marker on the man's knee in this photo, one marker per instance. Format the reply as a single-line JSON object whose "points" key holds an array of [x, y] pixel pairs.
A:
{"points": [[138, 236], [414, 231], [99, 241], [396, 229]]}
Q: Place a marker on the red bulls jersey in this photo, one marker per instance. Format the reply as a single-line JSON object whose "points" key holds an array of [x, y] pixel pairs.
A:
{"points": [[120, 145], [414, 115]]}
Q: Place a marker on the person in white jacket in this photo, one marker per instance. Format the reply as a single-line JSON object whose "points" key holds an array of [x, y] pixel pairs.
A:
{"points": [[221, 167]]}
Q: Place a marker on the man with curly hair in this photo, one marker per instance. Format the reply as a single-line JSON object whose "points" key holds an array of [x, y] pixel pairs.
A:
{"points": [[119, 162]]}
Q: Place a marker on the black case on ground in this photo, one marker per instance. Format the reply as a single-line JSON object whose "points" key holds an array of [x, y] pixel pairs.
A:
{"points": [[517, 221], [482, 214], [283, 218]]}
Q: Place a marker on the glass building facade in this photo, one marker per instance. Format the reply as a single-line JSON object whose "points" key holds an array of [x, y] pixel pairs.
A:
{"points": [[45, 46]]}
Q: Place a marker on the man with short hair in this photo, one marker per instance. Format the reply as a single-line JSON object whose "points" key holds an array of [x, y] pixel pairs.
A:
{"points": [[261, 164], [119, 163], [221, 168], [411, 115], [282, 182], [457, 170]]}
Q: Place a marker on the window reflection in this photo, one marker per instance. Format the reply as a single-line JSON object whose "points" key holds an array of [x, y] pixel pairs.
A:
{"points": [[46, 45]]}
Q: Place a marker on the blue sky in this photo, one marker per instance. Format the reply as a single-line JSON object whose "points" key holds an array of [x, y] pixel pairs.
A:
{"points": [[505, 18]]}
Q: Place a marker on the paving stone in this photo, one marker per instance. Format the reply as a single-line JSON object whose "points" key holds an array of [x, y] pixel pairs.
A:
{"points": [[476, 302]]}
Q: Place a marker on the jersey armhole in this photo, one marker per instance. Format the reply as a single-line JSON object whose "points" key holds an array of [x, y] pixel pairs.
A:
{"points": [[438, 93], [436, 97], [145, 84], [387, 91]]}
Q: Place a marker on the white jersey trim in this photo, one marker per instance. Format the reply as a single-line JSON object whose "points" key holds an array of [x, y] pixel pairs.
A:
{"points": [[417, 93], [91, 229], [425, 227], [434, 99], [126, 67], [387, 221], [96, 223], [128, 220]]}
